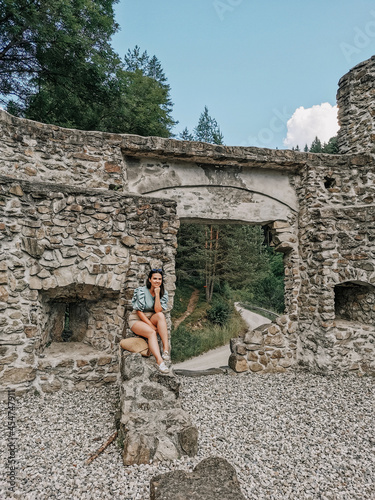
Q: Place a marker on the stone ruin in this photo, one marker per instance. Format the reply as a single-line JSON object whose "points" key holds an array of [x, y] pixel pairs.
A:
{"points": [[83, 216]]}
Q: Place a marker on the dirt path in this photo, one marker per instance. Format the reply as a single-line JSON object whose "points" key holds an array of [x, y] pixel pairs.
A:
{"points": [[190, 308], [219, 356]]}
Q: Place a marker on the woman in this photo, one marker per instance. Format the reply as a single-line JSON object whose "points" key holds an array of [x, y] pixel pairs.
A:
{"points": [[147, 318]]}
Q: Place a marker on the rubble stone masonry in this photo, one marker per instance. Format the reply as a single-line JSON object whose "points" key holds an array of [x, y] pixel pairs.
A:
{"points": [[67, 251], [76, 238]]}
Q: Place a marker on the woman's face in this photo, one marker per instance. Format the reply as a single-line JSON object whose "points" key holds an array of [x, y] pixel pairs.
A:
{"points": [[156, 280]]}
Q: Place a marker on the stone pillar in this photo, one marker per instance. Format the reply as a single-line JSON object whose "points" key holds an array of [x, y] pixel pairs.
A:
{"points": [[356, 102], [152, 423]]}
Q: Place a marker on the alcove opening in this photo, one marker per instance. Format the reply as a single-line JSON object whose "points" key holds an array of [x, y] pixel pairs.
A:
{"points": [[355, 301], [84, 314]]}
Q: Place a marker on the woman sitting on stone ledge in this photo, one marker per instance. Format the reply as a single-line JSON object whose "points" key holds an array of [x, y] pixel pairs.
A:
{"points": [[147, 318]]}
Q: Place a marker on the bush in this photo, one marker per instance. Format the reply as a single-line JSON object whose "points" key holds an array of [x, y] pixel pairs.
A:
{"points": [[219, 312], [185, 344]]}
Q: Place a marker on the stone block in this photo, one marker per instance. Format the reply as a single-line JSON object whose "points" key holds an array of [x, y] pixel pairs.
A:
{"points": [[165, 449], [16, 190], [131, 366], [252, 356], [255, 367], [188, 439], [128, 241], [105, 360], [277, 340], [4, 295], [33, 247], [241, 350], [17, 375], [81, 362], [285, 362], [263, 360], [212, 479], [168, 381], [273, 329], [151, 392], [254, 337], [138, 449], [237, 363], [53, 386]]}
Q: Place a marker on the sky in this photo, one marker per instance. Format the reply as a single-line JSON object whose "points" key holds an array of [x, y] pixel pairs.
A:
{"points": [[267, 70]]}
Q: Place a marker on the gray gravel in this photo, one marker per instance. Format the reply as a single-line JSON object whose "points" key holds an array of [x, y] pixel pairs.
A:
{"points": [[297, 436]]}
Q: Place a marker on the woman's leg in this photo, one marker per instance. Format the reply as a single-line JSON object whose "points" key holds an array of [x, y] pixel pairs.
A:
{"points": [[144, 330], [158, 319]]}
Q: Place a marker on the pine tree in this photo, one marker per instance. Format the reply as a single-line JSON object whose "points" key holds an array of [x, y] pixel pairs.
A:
{"points": [[331, 147], [185, 135], [207, 130], [316, 146]]}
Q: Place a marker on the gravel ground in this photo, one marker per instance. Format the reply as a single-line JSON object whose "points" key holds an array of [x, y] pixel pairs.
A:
{"points": [[297, 436]]}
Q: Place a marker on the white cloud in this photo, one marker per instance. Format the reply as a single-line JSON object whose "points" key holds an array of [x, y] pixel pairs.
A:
{"points": [[306, 124]]}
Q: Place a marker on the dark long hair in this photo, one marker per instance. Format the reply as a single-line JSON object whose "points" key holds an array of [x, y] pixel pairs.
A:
{"points": [[156, 271]]}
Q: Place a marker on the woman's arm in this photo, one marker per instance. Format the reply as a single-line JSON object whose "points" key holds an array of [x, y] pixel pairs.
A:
{"points": [[145, 319], [157, 306]]}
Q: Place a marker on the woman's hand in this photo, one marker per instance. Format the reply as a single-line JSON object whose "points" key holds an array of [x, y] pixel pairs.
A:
{"points": [[157, 291]]}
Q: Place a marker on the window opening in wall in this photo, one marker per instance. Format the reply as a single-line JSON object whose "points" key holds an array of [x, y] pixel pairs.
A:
{"points": [[355, 301]]}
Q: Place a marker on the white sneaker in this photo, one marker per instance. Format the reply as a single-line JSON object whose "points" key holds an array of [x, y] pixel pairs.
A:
{"points": [[163, 367], [166, 356]]}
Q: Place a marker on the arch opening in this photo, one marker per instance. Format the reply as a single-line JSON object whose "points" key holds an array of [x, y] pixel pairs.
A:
{"points": [[222, 265]]}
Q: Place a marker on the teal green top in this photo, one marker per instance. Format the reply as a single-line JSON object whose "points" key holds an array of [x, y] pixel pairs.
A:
{"points": [[143, 300]]}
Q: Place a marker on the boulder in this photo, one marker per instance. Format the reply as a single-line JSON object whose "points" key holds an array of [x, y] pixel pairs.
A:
{"points": [[212, 479], [238, 363]]}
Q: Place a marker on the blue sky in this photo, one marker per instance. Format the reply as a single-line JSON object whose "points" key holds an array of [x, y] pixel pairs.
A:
{"points": [[253, 63]]}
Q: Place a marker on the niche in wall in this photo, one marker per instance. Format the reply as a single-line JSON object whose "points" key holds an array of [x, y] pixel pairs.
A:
{"points": [[355, 301]]}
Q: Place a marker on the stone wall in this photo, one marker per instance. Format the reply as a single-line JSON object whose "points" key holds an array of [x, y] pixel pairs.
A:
{"points": [[152, 424], [80, 253], [71, 257], [356, 101], [337, 249]]}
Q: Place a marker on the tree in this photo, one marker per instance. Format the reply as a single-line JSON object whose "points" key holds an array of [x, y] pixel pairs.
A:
{"points": [[331, 147], [316, 146], [44, 44], [216, 254], [207, 130], [146, 100], [57, 66], [186, 135]]}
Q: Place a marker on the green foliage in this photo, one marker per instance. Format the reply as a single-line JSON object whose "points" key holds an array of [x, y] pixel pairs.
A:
{"points": [[57, 66], [188, 342], [267, 290], [316, 146], [219, 312], [331, 147], [181, 300], [43, 41], [207, 130], [212, 255], [185, 344]]}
